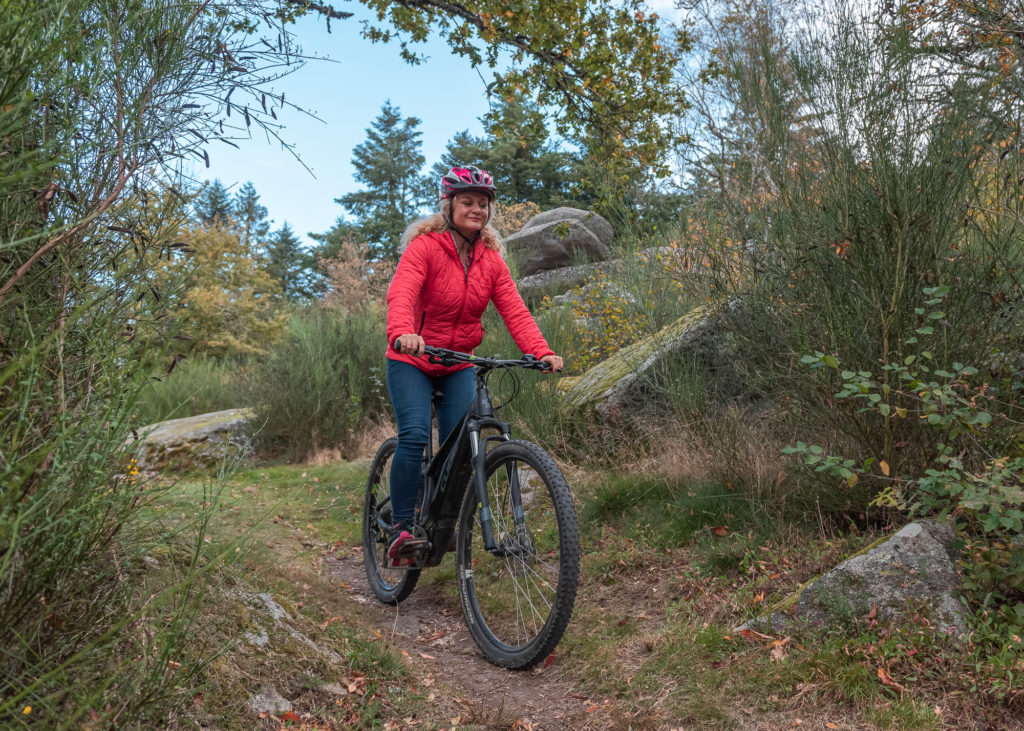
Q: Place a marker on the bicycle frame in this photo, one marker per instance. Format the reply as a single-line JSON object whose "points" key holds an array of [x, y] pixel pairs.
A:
{"points": [[458, 462]]}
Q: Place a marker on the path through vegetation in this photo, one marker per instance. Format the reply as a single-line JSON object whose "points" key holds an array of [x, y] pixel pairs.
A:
{"points": [[429, 628]]}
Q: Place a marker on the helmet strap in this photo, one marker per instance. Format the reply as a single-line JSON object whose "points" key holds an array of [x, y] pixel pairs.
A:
{"points": [[446, 214]]}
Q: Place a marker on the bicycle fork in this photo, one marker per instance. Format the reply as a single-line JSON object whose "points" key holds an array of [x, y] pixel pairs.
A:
{"points": [[492, 544]]}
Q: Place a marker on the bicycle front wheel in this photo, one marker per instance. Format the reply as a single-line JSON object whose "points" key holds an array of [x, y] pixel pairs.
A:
{"points": [[517, 600], [390, 584]]}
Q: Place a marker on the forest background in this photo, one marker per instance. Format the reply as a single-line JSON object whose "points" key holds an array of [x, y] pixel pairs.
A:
{"points": [[843, 188]]}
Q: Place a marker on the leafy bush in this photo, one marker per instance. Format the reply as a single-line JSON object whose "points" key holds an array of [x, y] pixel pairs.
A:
{"points": [[323, 383], [959, 477], [196, 386], [848, 185]]}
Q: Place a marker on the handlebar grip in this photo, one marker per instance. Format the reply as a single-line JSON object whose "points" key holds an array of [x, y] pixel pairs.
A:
{"points": [[397, 345]]}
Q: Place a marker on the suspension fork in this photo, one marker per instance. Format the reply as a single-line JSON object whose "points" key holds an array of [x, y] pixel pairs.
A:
{"points": [[478, 454]]}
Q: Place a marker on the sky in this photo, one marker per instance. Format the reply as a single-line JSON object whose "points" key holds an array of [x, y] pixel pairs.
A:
{"points": [[345, 93]]}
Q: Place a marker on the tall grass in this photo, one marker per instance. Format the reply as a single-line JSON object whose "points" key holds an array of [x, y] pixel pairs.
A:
{"points": [[196, 386], [323, 384]]}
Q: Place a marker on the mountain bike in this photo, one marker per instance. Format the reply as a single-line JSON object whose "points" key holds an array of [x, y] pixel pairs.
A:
{"points": [[504, 507]]}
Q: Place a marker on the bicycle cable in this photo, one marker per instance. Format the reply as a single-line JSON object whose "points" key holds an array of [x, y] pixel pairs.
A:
{"points": [[514, 377]]}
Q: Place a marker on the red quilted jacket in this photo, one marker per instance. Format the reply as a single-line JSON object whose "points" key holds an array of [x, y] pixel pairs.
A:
{"points": [[431, 294]]}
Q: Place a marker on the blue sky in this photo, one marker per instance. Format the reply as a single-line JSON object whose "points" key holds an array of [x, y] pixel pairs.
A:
{"points": [[445, 93]]}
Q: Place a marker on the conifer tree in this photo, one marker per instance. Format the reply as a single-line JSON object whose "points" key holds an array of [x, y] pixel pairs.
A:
{"points": [[389, 164], [288, 263], [213, 204], [518, 153], [250, 216]]}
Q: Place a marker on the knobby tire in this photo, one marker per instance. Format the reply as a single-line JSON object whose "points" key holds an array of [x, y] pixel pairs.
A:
{"points": [[518, 605], [390, 585]]}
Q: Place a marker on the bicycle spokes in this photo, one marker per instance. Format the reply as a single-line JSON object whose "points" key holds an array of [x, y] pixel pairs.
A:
{"points": [[517, 583]]}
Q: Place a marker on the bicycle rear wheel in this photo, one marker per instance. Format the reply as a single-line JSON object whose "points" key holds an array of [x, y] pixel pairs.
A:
{"points": [[391, 585], [517, 601]]}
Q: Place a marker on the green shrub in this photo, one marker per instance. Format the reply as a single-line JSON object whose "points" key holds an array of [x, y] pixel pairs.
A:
{"points": [[196, 386], [852, 188], [92, 130], [319, 387], [961, 477]]}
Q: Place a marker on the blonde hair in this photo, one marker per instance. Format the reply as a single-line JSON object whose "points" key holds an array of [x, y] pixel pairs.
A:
{"points": [[439, 222]]}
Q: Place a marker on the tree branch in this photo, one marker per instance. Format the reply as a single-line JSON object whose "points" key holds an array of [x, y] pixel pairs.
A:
{"points": [[325, 10]]}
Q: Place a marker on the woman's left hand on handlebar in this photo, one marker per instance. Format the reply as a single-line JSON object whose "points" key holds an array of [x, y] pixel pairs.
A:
{"points": [[554, 362]]}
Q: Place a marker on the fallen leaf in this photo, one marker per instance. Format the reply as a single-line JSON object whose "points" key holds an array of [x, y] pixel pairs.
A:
{"points": [[550, 659], [884, 466], [759, 597], [425, 656], [874, 611], [779, 649], [888, 682], [720, 530], [830, 725]]}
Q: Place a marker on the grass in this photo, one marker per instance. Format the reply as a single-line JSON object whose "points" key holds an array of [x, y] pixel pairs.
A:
{"points": [[273, 524], [197, 386], [669, 572]]}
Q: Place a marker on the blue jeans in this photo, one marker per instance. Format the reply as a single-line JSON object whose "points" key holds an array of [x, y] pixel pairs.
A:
{"points": [[410, 390]]}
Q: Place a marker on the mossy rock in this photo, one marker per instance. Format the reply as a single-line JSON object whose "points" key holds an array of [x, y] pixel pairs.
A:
{"points": [[614, 385], [911, 573], [196, 441]]}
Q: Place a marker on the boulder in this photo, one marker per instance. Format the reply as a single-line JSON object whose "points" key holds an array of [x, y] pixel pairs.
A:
{"points": [[560, 238], [553, 282], [196, 441], [910, 574], [597, 225], [614, 386]]}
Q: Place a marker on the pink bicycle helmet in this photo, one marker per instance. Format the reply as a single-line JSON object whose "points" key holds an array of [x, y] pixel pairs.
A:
{"points": [[469, 177]]}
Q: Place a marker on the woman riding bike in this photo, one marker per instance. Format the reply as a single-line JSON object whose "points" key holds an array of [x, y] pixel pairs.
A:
{"points": [[451, 267]]}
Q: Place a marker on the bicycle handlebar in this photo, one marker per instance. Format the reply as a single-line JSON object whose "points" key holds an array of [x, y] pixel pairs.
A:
{"points": [[444, 356]]}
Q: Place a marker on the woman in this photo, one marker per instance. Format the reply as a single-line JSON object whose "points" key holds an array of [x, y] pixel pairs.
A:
{"points": [[450, 268]]}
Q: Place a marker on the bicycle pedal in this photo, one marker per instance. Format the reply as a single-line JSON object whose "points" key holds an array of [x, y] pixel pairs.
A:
{"points": [[413, 546], [410, 560]]}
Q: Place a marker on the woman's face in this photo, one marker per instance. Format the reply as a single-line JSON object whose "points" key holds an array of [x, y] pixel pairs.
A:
{"points": [[469, 211]]}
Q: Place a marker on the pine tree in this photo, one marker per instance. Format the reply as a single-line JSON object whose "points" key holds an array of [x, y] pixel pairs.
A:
{"points": [[517, 151], [289, 264], [250, 216], [389, 164], [213, 204]]}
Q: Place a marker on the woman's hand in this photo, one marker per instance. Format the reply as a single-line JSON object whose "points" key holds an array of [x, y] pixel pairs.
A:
{"points": [[410, 344], [554, 363]]}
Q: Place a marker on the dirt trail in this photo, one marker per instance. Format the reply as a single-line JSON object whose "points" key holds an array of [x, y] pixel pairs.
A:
{"points": [[434, 635]]}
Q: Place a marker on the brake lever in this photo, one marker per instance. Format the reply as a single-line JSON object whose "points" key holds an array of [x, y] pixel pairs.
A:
{"points": [[536, 363]]}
